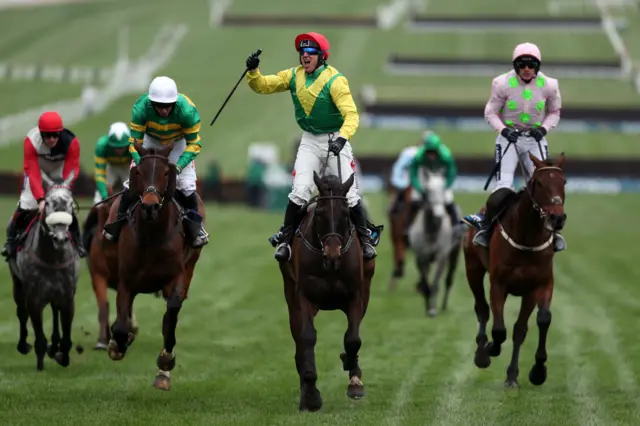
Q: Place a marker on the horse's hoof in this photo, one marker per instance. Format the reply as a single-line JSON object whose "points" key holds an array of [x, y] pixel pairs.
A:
{"points": [[511, 384], [355, 390], [166, 361], [51, 351], [79, 349], [493, 349], [538, 374], [482, 359], [162, 381], [135, 329], [100, 346], [433, 312], [312, 402], [24, 348], [114, 351], [40, 364], [62, 359]]}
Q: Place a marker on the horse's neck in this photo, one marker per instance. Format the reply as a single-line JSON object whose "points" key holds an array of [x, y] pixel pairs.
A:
{"points": [[157, 230], [42, 244], [530, 230]]}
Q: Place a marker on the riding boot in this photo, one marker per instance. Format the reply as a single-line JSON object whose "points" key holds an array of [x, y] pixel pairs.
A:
{"points": [[559, 244], [194, 228], [398, 200], [494, 204], [76, 238], [360, 222], [12, 232], [87, 229], [111, 231], [283, 238], [414, 207], [452, 211]]}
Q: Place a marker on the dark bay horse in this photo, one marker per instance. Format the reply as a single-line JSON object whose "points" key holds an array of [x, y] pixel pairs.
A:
{"points": [[520, 263], [153, 255], [398, 215], [326, 272]]}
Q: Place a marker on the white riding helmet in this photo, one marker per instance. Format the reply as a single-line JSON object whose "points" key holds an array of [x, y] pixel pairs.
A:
{"points": [[163, 90], [119, 130], [526, 49]]}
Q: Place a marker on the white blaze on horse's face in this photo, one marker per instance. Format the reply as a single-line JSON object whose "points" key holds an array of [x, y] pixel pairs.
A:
{"points": [[435, 187]]}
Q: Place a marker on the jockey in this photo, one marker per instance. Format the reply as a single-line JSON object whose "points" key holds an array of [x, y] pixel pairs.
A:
{"points": [[112, 159], [159, 117], [523, 99], [400, 180], [326, 113], [54, 150], [435, 156]]}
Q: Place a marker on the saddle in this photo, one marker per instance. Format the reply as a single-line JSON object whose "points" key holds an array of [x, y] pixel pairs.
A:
{"points": [[476, 220]]}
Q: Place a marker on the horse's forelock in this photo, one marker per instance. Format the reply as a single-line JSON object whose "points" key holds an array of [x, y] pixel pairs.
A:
{"points": [[332, 183], [60, 197]]}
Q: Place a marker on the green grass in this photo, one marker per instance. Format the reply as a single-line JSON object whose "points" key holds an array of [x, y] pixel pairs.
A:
{"points": [[25, 95], [235, 353], [506, 8]]}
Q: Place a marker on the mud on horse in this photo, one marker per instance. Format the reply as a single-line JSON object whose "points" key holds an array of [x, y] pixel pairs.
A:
{"points": [[153, 255], [520, 263], [326, 272]]}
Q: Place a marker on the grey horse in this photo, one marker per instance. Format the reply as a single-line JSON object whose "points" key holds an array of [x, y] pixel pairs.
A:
{"points": [[45, 271], [433, 239]]}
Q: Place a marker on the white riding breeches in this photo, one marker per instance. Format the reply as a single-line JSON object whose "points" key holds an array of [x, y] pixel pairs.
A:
{"points": [[519, 150], [311, 156], [114, 173], [186, 180]]}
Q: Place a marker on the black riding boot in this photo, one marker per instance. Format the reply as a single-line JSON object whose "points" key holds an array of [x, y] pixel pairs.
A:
{"points": [[87, 229], [12, 232], [494, 204], [452, 211], [112, 230], [194, 229], [359, 218], [397, 201], [283, 238], [74, 230], [414, 207]]}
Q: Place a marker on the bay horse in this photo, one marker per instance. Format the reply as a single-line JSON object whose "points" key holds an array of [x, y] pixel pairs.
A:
{"points": [[45, 271], [433, 239], [153, 254], [326, 272], [520, 263], [398, 215]]}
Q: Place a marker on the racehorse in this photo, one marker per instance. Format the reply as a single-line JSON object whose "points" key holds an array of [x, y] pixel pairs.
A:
{"points": [[520, 263], [432, 239], [326, 272], [398, 217], [45, 271], [153, 254]]}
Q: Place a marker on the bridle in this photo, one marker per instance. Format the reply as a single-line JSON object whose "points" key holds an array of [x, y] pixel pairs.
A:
{"points": [[539, 209], [152, 189]]}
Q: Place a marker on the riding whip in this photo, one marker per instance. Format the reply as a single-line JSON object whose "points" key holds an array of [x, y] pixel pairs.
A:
{"points": [[257, 53]]}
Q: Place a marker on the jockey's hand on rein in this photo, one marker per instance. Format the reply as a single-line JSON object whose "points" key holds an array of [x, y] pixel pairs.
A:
{"points": [[252, 62], [336, 145], [538, 133], [510, 134]]}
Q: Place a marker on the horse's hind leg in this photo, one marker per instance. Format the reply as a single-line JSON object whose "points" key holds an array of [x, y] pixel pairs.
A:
{"points": [[519, 334], [167, 359], [35, 309], [435, 287], [100, 289], [121, 336], [397, 239], [352, 343], [22, 314], [454, 255], [538, 373], [423, 286], [475, 277], [54, 346], [301, 315], [67, 312], [498, 297]]}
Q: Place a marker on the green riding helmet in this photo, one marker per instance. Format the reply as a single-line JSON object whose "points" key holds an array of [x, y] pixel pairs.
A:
{"points": [[431, 141], [119, 135]]}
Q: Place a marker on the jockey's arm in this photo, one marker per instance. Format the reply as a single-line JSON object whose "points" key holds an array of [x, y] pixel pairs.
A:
{"points": [[72, 162], [447, 158], [341, 96], [494, 105], [417, 161], [553, 106], [398, 169], [137, 128], [32, 170], [100, 168], [191, 129], [267, 84]]}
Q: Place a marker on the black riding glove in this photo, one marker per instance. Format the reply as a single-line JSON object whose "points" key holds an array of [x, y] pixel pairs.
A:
{"points": [[252, 62], [510, 134], [538, 133], [336, 145]]}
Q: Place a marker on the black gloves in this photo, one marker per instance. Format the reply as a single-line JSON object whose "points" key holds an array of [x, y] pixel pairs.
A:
{"points": [[336, 145], [252, 62], [510, 134], [538, 133]]}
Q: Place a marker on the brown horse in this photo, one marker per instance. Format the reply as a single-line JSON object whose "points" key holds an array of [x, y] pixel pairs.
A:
{"points": [[520, 263], [153, 255], [326, 272], [398, 215]]}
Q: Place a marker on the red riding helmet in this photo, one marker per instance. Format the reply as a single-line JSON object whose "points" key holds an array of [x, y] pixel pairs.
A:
{"points": [[50, 121], [318, 39]]}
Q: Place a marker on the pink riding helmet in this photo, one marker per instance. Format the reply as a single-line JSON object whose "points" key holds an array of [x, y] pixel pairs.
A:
{"points": [[527, 49]]}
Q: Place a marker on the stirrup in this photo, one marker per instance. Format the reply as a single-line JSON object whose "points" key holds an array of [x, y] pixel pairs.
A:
{"points": [[482, 238]]}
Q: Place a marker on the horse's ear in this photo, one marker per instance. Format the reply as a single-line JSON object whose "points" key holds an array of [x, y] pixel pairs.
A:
{"points": [[348, 183], [138, 146], [171, 182], [560, 162], [317, 180], [536, 162]]}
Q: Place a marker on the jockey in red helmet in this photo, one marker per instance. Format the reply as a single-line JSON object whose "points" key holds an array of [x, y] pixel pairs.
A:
{"points": [[326, 113], [51, 149]]}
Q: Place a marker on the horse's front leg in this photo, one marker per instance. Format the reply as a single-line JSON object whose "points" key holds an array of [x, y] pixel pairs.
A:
{"points": [[538, 373], [301, 315], [67, 312], [454, 255], [35, 309], [434, 289], [352, 343], [23, 316], [167, 359], [54, 346], [121, 335], [519, 334], [475, 277], [100, 289], [498, 297]]}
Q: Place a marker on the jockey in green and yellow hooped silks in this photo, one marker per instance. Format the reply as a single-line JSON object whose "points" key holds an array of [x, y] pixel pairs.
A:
{"points": [[159, 117], [112, 159], [326, 113]]}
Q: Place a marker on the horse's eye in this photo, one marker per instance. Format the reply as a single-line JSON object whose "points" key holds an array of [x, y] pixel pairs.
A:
{"points": [[166, 173]]}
